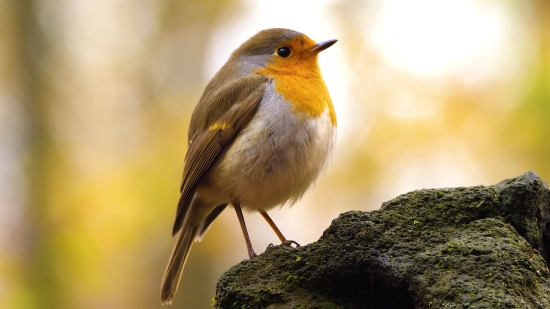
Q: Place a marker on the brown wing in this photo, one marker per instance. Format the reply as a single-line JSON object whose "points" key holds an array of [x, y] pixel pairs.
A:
{"points": [[206, 146]]}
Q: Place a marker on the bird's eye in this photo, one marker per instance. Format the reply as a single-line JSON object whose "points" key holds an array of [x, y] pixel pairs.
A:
{"points": [[283, 52]]}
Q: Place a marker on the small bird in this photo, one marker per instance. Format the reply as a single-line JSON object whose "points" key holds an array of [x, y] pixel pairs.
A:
{"points": [[262, 132]]}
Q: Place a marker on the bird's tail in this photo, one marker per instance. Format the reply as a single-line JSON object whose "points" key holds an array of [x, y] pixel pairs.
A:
{"points": [[174, 269]]}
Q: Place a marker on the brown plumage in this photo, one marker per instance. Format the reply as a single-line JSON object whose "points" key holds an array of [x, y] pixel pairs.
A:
{"points": [[260, 135]]}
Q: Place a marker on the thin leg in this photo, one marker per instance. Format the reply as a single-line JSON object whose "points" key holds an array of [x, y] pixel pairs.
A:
{"points": [[251, 253], [275, 229]]}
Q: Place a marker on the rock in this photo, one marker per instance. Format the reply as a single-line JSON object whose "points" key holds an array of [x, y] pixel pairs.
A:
{"points": [[439, 248]]}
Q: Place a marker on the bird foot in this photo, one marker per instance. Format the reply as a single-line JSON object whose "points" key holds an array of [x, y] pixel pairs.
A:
{"points": [[252, 254], [289, 243], [286, 243]]}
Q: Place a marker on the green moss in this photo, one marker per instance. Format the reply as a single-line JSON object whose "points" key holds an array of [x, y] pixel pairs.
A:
{"points": [[291, 278], [444, 248]]}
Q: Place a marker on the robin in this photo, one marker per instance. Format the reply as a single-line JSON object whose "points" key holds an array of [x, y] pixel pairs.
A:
{"points": [[262, 132]]}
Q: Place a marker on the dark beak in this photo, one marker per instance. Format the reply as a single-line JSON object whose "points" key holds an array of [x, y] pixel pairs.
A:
{"points": [[322, 45]]}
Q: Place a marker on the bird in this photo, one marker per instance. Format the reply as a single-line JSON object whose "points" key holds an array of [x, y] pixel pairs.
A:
{"points": [[262, 132]]}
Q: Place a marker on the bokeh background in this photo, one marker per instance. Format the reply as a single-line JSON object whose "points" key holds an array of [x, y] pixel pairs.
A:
{"points": [[96, 96]]}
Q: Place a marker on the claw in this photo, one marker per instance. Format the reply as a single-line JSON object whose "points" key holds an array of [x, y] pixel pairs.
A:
{"points": [[289, 243]]}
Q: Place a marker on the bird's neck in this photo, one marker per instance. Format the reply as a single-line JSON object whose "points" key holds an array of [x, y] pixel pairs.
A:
{"points": [[303, 86]]}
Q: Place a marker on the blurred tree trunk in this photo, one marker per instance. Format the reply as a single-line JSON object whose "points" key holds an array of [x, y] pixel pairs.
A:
{"points": [[41, 288]]}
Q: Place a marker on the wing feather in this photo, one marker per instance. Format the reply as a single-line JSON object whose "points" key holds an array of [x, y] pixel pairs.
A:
{"points": [[209, 144]]}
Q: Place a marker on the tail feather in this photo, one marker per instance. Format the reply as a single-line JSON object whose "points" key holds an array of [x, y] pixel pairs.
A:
{"points": [[174, 269], [205, 224]]}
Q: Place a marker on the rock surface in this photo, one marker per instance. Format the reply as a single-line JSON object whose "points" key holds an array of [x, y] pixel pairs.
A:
{"points": [[439, 248]]}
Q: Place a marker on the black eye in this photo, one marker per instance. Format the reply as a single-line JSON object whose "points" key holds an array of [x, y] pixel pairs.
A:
{"points": [[283, 52]]}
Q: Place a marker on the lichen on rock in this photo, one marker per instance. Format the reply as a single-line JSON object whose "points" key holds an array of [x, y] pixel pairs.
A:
{"points": [[436, 248]]}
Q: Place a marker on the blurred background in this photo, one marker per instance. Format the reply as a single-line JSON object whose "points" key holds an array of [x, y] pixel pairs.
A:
{"points": [[96, 96]]}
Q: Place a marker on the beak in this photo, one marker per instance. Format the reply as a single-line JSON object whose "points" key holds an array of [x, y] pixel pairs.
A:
{"points": [[319, 47]]}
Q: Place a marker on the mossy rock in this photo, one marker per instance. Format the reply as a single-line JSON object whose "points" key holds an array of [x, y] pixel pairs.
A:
{"points": [[439, 248]]}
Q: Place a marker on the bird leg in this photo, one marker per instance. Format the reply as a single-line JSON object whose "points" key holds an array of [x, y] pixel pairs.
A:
{"points": [[275, 229], [251, 253]]}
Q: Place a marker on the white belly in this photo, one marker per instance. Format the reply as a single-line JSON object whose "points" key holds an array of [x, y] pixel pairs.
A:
{"points": [[276, 158]]}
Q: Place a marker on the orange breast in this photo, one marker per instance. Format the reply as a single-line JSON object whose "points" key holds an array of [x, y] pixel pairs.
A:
{"points": [[300, 82]]}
